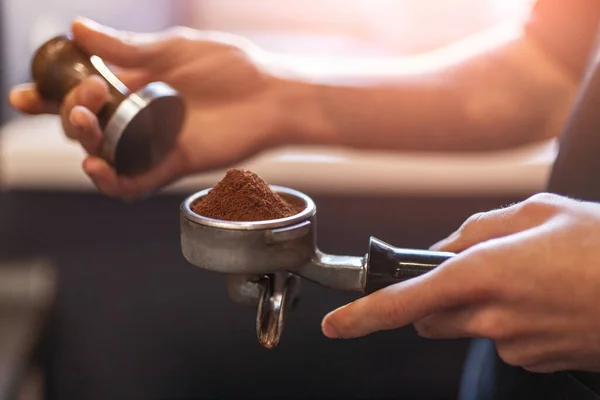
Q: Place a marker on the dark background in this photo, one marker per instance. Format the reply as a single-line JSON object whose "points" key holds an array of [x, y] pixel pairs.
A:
{"points": [[134, 320], [3, 88]]}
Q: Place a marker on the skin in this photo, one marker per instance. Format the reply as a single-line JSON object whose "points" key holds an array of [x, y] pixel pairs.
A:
{"points": [[490, 92], [525, 276], [516, 280]]}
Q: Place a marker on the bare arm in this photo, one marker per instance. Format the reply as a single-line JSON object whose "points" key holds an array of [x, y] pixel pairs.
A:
{"points": [[492, 91]]}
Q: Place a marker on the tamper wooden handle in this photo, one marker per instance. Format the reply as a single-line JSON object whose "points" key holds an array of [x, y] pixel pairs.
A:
{"points": [[59, 65]]}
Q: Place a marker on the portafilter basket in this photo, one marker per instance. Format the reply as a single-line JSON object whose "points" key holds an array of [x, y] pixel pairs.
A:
{"points": [[265, 260]]}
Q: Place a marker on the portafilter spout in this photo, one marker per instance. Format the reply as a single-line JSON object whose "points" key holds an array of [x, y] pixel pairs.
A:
{"points": [[258, 256]]}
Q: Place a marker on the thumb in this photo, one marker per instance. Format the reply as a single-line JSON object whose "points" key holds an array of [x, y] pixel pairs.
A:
{"points": [[124, 49]]}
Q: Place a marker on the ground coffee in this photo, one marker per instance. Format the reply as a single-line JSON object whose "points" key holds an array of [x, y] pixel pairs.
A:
{"points": [[243, 196]]}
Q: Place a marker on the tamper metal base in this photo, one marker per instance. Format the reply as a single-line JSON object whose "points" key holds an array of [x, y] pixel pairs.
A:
{"points": [[143, 129]]}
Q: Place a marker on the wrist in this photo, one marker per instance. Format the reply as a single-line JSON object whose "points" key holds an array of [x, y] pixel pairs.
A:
{"points": [[300, 116]]}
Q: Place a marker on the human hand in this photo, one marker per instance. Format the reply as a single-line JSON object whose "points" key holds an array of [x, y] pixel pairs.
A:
{"points": [[527, 277], [235, 106]]}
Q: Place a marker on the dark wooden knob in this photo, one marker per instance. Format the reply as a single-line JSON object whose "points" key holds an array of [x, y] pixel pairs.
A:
{"points": [[139, 128], [59, 65]]}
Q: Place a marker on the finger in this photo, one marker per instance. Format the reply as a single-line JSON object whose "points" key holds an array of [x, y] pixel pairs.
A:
{"points": [[133, 79], [449, 286], [540, 352], [551, 367], [92, 93], [102, 175], [170, 168], [108, 182], [451, 324], [89, 133], [498, 223], [479, 228], [565, 362], [125, 49], [487, 321], [26, 99]]}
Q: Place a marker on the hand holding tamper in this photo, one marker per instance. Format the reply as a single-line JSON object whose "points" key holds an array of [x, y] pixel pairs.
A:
{"points": [[139, 127]]}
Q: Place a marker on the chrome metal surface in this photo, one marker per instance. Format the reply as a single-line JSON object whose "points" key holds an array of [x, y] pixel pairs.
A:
{"points": [[249, 248], [278, 292], [265, 260], [245, 290], [335, 272], [143, 128]]}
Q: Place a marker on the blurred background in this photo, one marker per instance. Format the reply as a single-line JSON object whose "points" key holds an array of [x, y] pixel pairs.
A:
{"points": [[330, 27], [131, 319]]}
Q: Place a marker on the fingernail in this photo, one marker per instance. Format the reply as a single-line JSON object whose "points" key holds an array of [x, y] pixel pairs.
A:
{"points": [[328, 328], [24, 94], [14, 96], [29, 94]]}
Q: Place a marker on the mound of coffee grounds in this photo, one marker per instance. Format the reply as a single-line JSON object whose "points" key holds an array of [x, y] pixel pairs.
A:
{"points": [[243, 196]]}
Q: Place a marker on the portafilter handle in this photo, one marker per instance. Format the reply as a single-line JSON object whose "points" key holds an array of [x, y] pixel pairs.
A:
{"points": [[387, 265]]}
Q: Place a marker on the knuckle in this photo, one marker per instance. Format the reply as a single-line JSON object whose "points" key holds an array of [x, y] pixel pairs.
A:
{"points": [[480, 283], [493, 325], [542, 202], [512, 353], [427, 330], [131, 40], [388, 312], [513, 356], [545, 197], [136, 52], [424, 329], [179, 33], [541, 369], [471, 224]]}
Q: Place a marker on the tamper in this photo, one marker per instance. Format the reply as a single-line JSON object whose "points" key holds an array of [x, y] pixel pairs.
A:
{"points": [[139, 127]]}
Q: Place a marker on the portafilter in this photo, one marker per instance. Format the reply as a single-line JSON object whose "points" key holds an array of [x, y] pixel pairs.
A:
{"points": [[264, 261]]}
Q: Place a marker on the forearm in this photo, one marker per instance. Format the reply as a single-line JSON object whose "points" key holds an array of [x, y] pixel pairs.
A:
{"points": [[487, 93]]}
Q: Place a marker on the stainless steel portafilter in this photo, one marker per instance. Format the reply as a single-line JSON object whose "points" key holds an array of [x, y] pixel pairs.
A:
{"points": [[266, 260]]}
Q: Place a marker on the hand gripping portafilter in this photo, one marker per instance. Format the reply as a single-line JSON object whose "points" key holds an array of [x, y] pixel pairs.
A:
{"points": [[139, 127], [265, 260]]}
